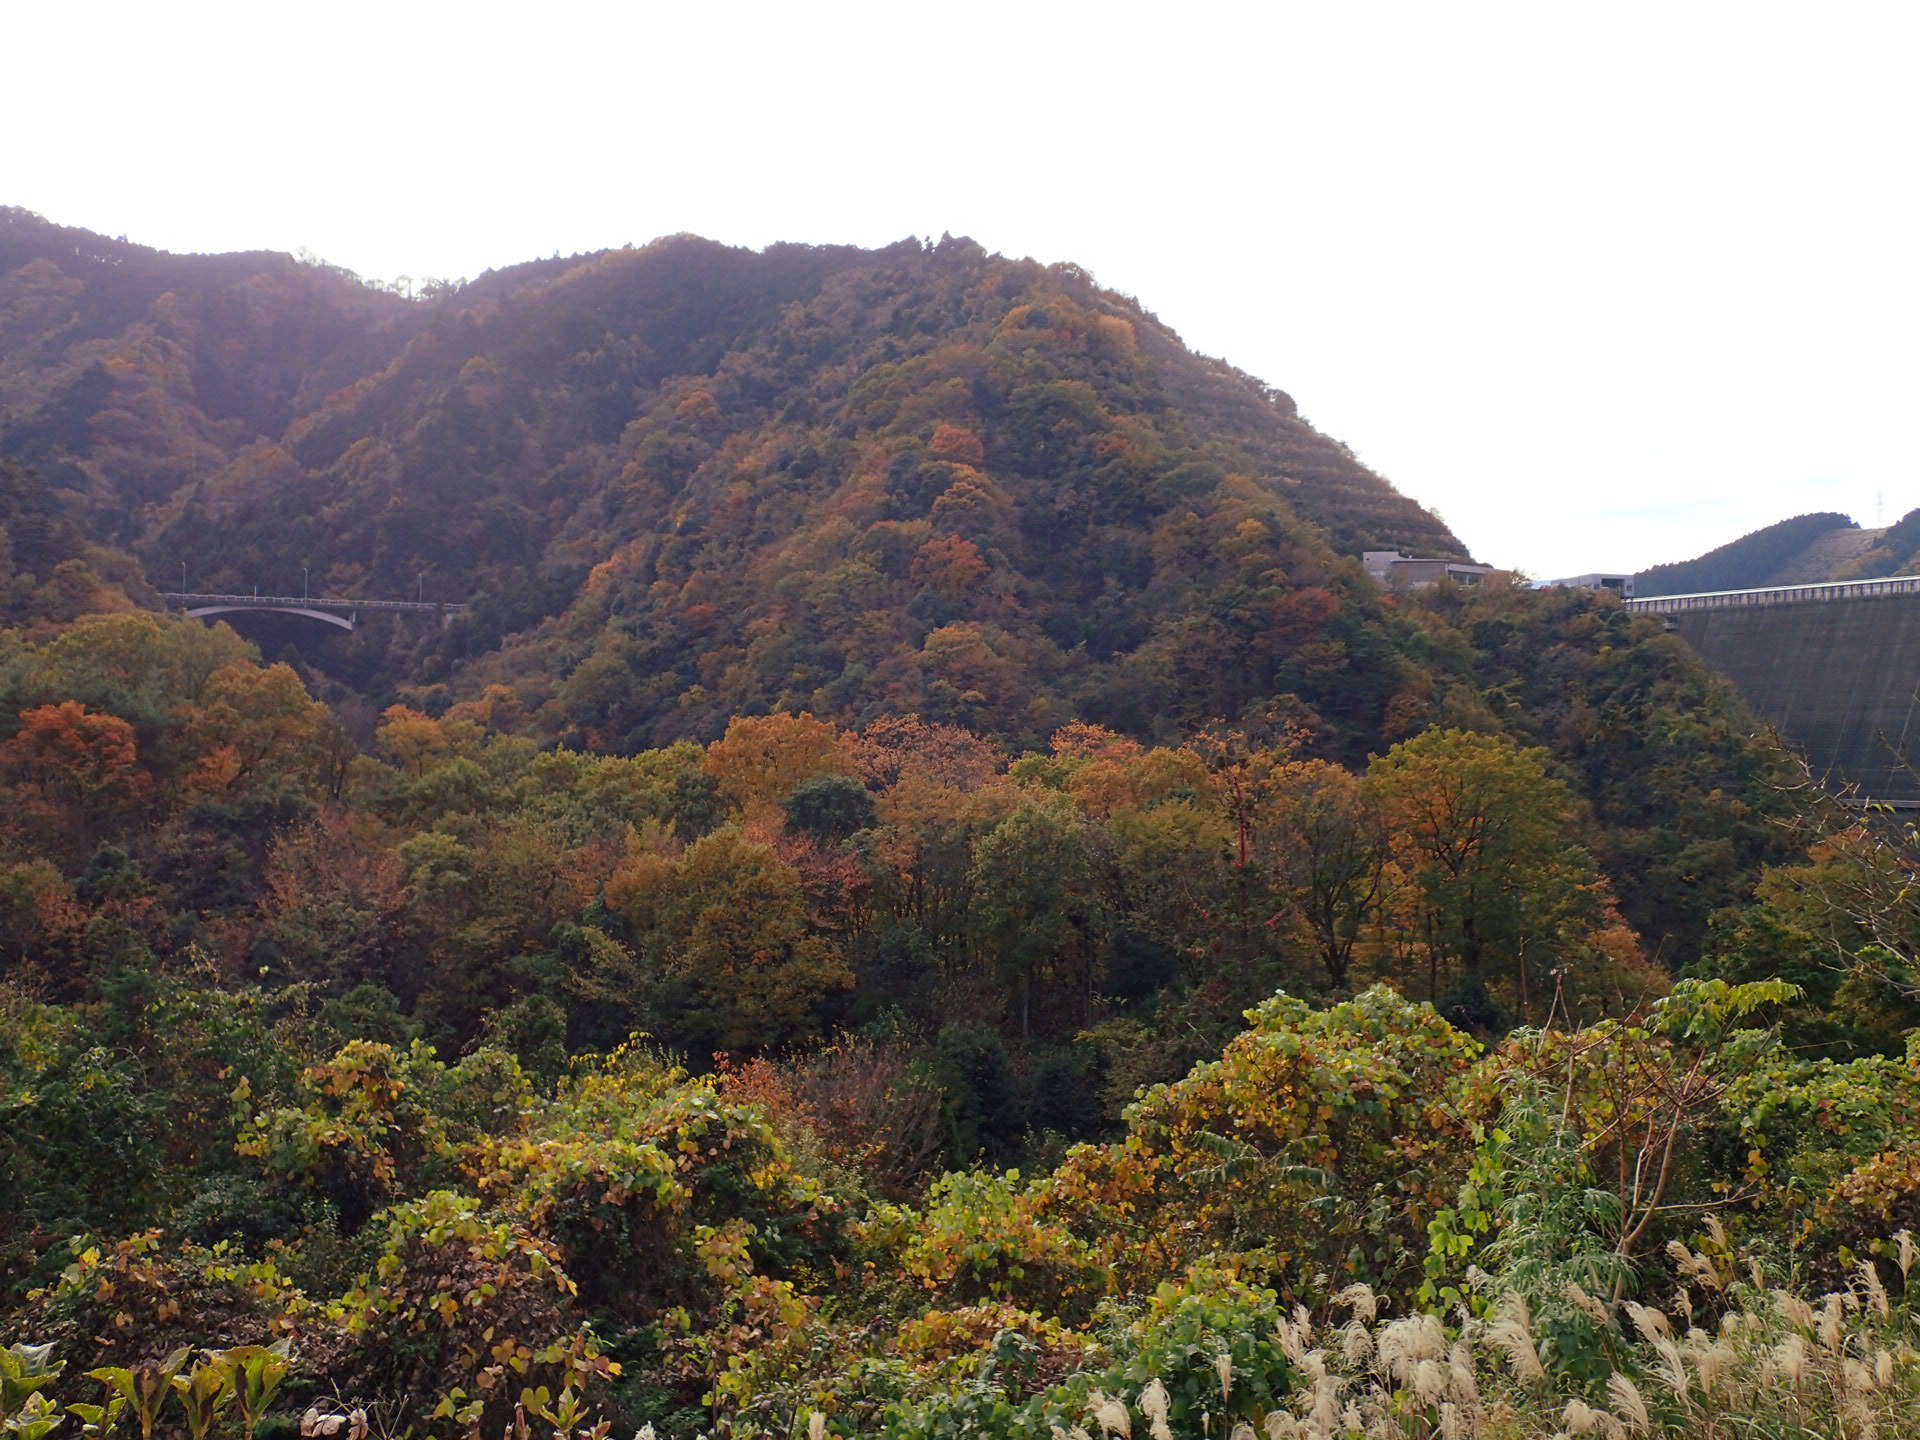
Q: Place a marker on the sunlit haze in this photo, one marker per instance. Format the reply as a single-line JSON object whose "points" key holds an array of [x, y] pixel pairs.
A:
{"points": [[1605, 286]]}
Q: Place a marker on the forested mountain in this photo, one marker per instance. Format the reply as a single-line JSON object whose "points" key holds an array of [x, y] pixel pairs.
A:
{"points": [[1805, 550], [1894, 551], [127, 374], [686, 481], [1745, 563], [930, 897], [48, 570]]}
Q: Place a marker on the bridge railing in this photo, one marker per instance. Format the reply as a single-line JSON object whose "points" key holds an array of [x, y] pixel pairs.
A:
{"points": [[313, 602], [1776, 595]]}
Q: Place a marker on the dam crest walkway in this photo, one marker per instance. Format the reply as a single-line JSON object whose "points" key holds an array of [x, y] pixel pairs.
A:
{"points": [[1823, 593]]}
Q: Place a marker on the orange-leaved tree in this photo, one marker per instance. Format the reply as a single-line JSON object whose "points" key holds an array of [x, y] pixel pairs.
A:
{"points": [[78, 769], [1501, 892], [762, 759]]}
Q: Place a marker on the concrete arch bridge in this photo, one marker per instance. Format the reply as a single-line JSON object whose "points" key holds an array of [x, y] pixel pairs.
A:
{"points": [[343, 613]]}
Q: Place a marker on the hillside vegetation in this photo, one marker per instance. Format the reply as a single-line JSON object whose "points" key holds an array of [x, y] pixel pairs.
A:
{"points": [[1806, 550], [374, 1055], [1742, 564], [931, 898], [687, 481], [1895, 551], [127, 373]]}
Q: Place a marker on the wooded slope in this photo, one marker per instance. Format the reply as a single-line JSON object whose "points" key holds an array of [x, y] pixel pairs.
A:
{"points": [[687, 481]]}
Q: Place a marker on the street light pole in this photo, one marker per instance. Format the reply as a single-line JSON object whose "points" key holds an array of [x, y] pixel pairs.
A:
{"points": [[303, 582]]}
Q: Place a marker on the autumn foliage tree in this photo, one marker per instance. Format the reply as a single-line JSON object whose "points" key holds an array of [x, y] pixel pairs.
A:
{"points": [[1038, 910], [762, 759], [82, 768], [727, 925], [1500, 890], [1325, 841]]}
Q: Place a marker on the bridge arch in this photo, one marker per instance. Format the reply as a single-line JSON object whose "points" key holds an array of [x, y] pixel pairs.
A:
{"points": [[345, 622]]}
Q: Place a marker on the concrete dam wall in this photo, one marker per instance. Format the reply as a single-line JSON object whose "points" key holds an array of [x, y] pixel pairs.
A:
{"points": [[1838, 679]]}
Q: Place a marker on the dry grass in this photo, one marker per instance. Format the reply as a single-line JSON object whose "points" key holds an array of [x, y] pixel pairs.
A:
{"points": [[1774, 1365]]}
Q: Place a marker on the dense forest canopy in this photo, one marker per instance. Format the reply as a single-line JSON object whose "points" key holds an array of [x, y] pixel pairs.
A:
{"points": [[930, 897], [687, 481]]}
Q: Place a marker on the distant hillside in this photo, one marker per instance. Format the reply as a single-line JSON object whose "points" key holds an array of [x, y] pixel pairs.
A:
{"points": [[48, 571], [1805, 550], [127, 373], [687, 481], [1741, 564], [1894, 551], [1828, 557]]}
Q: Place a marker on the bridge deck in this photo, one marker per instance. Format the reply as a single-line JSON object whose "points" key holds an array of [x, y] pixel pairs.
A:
{"points": [[1777, 595], [311, 602]]}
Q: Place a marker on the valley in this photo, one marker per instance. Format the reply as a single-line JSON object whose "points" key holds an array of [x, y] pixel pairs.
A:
{"points": [[695, 841]]}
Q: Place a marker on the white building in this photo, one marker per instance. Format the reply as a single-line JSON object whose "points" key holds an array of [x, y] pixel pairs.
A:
{"points": [[1621, 585], [1395, 571]]}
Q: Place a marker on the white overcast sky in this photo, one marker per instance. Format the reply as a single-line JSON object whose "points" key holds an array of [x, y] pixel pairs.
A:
{"points": [[1604, 284]]}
